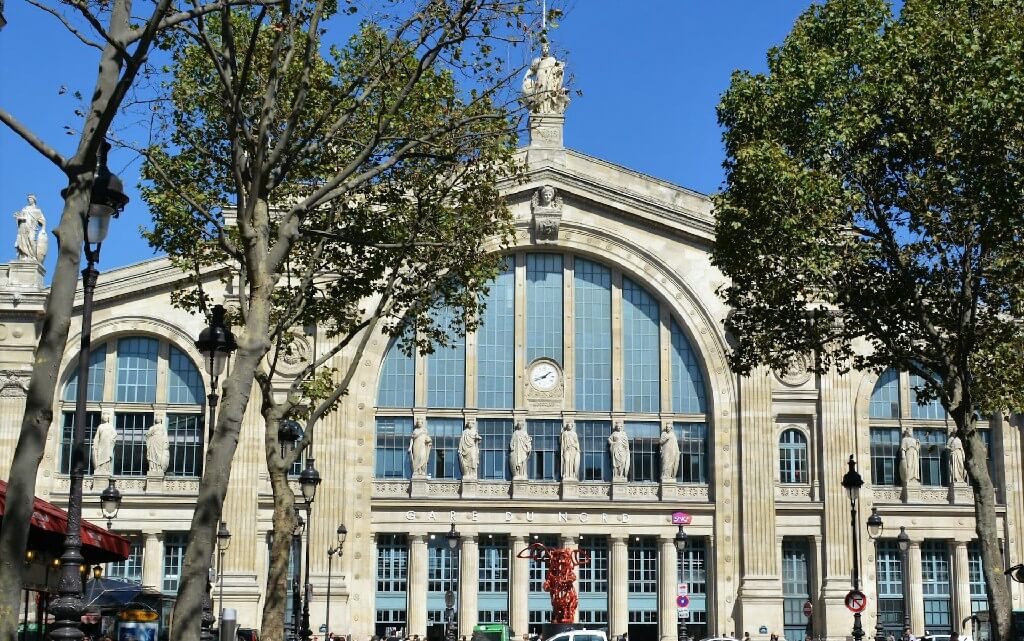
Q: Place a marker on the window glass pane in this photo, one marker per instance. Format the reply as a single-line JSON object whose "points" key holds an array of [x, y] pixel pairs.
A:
{"points": [[185, 444], [442, 570], [130, 447], [885, 399], [443, 462], [935, 586], [397, 384], [930, 410], [174, 554], [496, 343], [885, 452], [92, 419], [184, 384], [595, 461], [392, 564], [538, 570], [640, 338], [136, 370], [493, 571], [933, 451], [131, 568], [644, 450], [693, 449], [544, 307], [446, 367], [593, 327], [687, 377], [793, 457], [976, 578], [795, 587], [544, 463], [494, 438], [97, 372], [594, 575], [392, 459], [642, 566]]}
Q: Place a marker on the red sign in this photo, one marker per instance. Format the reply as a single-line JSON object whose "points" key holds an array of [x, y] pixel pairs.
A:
{"points": [[808, 608], [683, 601], [681, 518], [856, 601]]}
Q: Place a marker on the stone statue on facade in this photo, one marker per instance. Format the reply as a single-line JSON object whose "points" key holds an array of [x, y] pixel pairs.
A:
{"points": [[103, 442], [419, 449], [910, 457], [519, 449], [469, 450], [618, 446], [957, 468], [546, 206], [543, 92], [570, 446], [157, 448], [669, 452], [30, 244]]}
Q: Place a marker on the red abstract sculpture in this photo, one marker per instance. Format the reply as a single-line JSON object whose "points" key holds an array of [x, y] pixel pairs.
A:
{"points": [[560, 580]]}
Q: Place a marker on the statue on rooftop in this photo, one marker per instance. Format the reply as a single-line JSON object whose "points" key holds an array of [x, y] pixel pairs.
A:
{"points": [[543, 92], [30, 244]]}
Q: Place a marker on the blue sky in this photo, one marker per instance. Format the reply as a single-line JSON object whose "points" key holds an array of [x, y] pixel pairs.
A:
{"points": [[650, 71]]}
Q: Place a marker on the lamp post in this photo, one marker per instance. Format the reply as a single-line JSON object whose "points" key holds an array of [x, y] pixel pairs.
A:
{"points": [[451, 630], [852, 481], [309, 479], [107, 199], [875, 527], [110, 502], [342, 533], [215, 343], [223, 541], [680, 550], [300, 525], [903, 541]]}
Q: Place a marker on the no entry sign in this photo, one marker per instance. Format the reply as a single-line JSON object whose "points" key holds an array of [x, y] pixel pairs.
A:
{"points": [[808, 608], [856, 601]]}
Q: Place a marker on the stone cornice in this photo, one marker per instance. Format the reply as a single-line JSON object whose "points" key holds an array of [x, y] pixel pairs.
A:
{"points": [[142, 279]]}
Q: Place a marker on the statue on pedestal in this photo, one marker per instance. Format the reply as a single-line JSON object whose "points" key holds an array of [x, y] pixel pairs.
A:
{"points": [[543, 92], [419, 449], [519, 448], [618, 446], [103, 446], [469, 450], [957, 468], [157, 447], [669, 452], [30, 244], [570, 445], [910, 457]]}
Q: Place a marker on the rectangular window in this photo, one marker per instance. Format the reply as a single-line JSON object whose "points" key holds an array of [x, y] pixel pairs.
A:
{"points": [[644, 450], [885, 399], [885, 452], [131, 568], [596, 464], [494, 436], [641, 334], [935, 585], [538, 571], [687, 378], [693, 448], [94, 385], [446, 366], [130, 447], [933, 451], [397, 384], [796, 588], [493, 575], [136, 370], [691, 569], [184, 385], [185, 444], [67, 432], [544, 307], [392, 459], [931, 410], [392, 563], [174, 554], [642, 564], [544, 463], [442, 566], [496, 342], [976, 578], [594, 575], [889, 573], [593, 327], [444, 456]]}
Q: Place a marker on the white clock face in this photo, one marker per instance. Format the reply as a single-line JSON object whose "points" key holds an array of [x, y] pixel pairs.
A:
{"points": [[544, 376]]}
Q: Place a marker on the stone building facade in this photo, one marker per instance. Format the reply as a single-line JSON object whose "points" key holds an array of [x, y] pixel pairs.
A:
{"points": [[604, 315]]}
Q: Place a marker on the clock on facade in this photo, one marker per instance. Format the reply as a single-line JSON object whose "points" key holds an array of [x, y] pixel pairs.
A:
{"points": [[544, 375]]}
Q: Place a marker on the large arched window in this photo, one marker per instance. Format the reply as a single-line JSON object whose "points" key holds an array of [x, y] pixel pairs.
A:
{"points": [[136, 379], [793, 457], [618, 355]]}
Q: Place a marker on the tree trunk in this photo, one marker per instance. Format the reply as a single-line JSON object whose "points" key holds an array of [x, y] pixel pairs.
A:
{"points": [[280, 551]]}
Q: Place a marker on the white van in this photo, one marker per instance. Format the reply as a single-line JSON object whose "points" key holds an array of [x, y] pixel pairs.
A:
{"points": [[579, 635]]}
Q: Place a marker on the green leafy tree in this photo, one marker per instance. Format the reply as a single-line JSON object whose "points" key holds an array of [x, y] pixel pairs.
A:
{"points": [[354, 188], [872, 214]]}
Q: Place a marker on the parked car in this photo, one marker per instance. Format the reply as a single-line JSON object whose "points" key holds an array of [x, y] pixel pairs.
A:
{"points": [[247, 634], [579, 635]]}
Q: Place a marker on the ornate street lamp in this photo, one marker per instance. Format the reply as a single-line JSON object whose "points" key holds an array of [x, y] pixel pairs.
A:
{"points": [[451, 630], [215, 343], [223, 541], [110, 502], [107, 199], [875, 527], [903, 541], [852, 481], [342, 534], [309, 480], [680, 550]]}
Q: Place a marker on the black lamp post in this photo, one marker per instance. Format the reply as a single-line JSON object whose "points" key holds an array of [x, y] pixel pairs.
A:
{"points": [[342, 533], [680, 550], [110, 502], [451, 630], [903, 541], [300, 525], [107, 199], [223, 541], [309, 480], [852, 481], [875, 527], [215, 343]]}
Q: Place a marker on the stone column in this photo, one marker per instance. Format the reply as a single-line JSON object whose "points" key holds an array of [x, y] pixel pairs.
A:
{"points": [[469, 569], [961, 583], [153, 559], [914, 592], [668, 571], [618, 620], [416, 617], [519, 610]]}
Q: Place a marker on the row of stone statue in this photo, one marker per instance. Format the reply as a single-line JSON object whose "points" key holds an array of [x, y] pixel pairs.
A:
{"points": [[910, 458], [105, 438], [521, 446]]}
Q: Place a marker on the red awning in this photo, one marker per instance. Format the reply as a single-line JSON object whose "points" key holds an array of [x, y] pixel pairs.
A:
{"points": [[50, 524]]}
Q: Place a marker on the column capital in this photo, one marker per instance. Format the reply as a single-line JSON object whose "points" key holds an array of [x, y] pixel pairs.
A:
{"points": [[418, 538], [619, 539]]}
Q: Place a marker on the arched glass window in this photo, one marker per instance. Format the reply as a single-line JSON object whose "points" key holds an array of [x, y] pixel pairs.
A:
{"points": [[397, 378], [640, 354], [930, 410], [446, 368], [496, 342], [152, 378], [593, 319], [687, 378], [885, 398], [793, 457]]}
